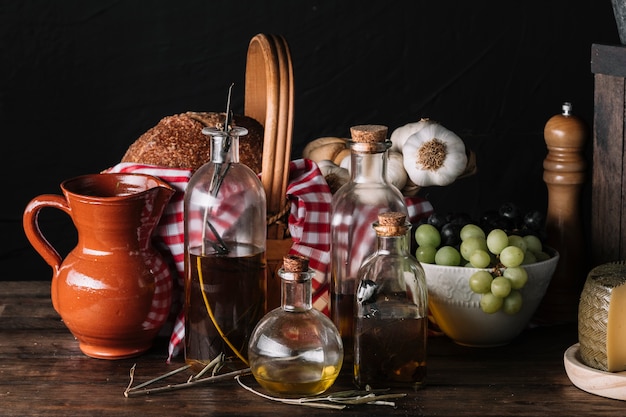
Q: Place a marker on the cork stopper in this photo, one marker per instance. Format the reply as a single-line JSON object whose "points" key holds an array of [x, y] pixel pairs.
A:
{"points": [[295, 263], [391, 218], [391, 224], [369, 133]]}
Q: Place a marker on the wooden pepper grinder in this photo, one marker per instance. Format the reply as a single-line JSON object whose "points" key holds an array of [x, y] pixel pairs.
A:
{"points": [[564, 175]]}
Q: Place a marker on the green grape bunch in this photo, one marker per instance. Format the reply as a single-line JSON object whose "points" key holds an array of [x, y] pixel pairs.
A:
{"points": [[500, 254]]}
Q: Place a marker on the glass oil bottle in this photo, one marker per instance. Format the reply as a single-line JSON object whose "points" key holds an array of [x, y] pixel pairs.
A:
{"points": [[225, 235], [295, 349], [390, 319], [355, 206]]}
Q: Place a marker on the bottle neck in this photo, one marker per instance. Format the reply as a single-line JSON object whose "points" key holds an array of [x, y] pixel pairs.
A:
{"points": [[296, 291], [225, 144], [394, 245], [225, 149], [369, 167]]}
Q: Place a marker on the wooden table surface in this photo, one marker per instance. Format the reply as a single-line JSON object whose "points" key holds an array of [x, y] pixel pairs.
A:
{"points": [[43, 372]]}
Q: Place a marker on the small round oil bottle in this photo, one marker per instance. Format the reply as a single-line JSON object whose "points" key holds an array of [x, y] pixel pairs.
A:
{"points": [[295, 349]]}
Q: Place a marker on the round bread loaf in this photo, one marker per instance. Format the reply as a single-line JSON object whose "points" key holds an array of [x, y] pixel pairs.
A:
{"points": [[177, 141]]}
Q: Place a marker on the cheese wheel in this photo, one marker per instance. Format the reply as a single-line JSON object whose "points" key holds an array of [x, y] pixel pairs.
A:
{"points": [[602, 318]]}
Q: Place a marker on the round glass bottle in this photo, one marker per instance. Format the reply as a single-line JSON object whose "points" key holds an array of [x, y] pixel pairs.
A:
{"points": [[295, 349], [225, 235], [354, 207], [391, 320]]}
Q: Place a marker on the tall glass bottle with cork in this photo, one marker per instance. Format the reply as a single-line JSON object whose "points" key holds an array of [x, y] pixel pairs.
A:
{"points": [[354, 208], [391, 320], [225, 235]]}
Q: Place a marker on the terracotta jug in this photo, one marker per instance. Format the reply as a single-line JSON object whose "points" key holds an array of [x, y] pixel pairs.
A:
{"points": [[113, 290]]}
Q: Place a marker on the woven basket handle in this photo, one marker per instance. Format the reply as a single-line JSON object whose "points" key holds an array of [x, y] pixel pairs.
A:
{"points": [[269, 99]]}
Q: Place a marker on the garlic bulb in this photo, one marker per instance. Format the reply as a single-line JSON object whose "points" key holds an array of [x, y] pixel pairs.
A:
{"points": [[334, 175], [410, 188], [400, 135], [341, 156], [434, 155], [346, 163], [396, 174], [325, 148]]}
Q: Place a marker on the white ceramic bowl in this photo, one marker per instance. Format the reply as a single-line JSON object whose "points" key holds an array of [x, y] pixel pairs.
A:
{"points": [[456, 309]]}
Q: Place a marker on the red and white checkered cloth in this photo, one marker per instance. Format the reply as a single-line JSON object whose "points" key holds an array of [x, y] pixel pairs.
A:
{"points": [[308, 222]]}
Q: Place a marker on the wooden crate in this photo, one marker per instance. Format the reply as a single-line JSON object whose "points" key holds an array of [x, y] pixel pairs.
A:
{"points": [[608, 223], [269, 99]]}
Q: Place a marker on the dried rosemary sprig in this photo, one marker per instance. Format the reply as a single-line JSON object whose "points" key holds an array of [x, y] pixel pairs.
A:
{"points": [[222, 166], [194, 380], [335, 401], [220, 171]]}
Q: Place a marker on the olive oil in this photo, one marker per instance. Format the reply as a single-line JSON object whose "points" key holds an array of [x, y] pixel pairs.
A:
{"points": [[296, 379], [390, 352], [341, 313], [222, 314]]}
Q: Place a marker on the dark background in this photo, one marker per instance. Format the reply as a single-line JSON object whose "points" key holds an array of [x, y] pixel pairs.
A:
{"points": [[81, 80]]}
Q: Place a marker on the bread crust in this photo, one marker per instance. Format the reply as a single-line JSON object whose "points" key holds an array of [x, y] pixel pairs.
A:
{"points": [[177, 141]]}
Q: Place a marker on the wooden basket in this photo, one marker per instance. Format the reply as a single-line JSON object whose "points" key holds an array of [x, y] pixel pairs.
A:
{"points": [[269, 99]]}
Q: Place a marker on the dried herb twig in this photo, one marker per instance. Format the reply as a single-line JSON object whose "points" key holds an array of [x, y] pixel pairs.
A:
{"points": [[338, 400], [152, 381], [188, 384], [334, 401], [194, 380], [215, 365]]}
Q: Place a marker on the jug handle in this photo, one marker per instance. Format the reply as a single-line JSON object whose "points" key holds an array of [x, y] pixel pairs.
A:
{"points": [[33, 232]]}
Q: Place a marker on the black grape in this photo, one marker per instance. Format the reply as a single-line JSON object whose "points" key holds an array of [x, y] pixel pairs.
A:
{"points": [[451, 234], [534, 220], [513, 213], [438, 220]]}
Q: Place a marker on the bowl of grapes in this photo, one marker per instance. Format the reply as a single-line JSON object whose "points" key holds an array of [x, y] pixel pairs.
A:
{"points": [[485, 277]]}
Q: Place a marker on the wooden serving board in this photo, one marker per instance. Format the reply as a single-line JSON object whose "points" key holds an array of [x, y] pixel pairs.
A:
{"points": [[605, 384]]}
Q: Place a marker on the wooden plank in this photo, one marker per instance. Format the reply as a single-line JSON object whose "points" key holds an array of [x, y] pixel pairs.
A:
{"points": [[25, 289], [609, 179], [608, 60], [37, 343]]}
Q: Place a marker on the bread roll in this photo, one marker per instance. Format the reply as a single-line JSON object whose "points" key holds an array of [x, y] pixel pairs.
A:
{"points": [[177, 141]]}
